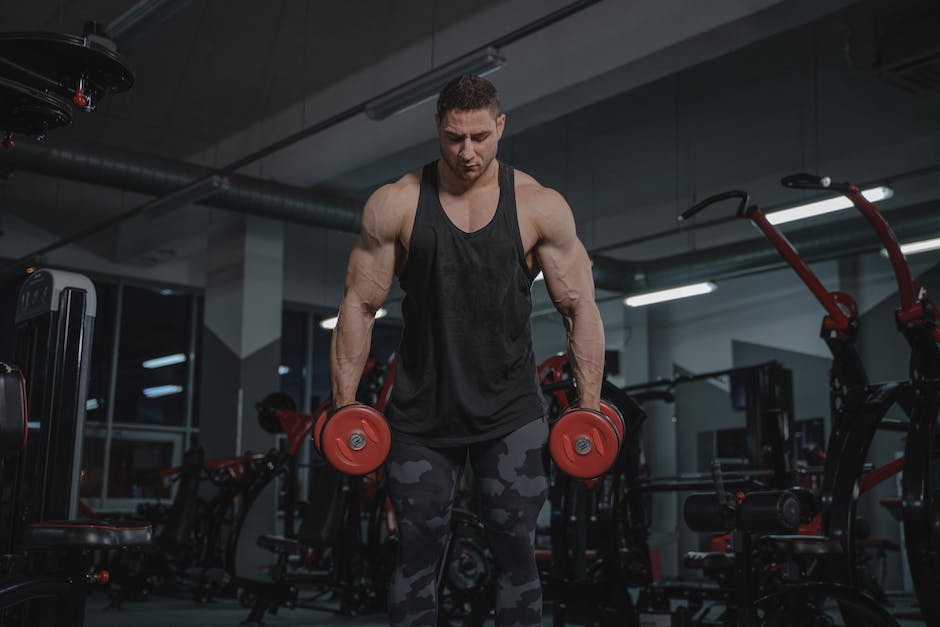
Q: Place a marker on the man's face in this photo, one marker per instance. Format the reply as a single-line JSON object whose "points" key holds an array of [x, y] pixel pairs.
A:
{"points": [[468, 140]]}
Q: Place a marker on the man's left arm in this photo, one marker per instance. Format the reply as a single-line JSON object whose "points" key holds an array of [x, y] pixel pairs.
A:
{"points": [[570, 283]]}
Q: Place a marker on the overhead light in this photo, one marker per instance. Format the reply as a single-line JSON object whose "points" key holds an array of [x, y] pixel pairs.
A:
{"points": [[684, 291], [820, 207], [912, 248], [330, 323], [282, 370], [162, 390], [91, 404], [166, 360], [428, 85]]}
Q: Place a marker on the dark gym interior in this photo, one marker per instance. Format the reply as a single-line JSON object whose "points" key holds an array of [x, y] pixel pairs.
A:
{"points": [[181, 183]]}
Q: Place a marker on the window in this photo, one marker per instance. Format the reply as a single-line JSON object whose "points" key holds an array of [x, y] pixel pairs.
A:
{"points": [[136, 461], [293, 366], [91, 480], [153, 357], [126, 445], [320, 381]]}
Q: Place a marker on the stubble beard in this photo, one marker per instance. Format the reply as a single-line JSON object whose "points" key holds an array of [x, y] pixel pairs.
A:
{"points": [[457, 168]]}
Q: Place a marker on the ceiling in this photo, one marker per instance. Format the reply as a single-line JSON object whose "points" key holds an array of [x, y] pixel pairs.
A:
{"points": [[216, 81], [215, 67]]}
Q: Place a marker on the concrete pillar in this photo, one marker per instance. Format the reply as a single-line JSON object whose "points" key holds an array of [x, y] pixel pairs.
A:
{"points": [[660, 437], [241, 334], [241, 347]]}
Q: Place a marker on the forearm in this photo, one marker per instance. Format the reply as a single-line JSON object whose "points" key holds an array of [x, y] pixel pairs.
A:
{"points": [[349, 350], [585, 332]]}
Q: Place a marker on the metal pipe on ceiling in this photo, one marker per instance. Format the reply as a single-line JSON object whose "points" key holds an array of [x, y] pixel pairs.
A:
{"points": [[155, 176]]}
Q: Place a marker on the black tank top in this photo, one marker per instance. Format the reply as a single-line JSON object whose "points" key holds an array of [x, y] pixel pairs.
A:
{"points": [[465, 369]]}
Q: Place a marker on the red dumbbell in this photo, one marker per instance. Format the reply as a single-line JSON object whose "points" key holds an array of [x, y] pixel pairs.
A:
{"points": [[585, 443], [354, 439]]}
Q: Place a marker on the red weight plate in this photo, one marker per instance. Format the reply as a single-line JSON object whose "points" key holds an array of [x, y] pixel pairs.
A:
{"points": [[584, 443], [616, 418], [318, 428], [356, 439], [611, 414]]}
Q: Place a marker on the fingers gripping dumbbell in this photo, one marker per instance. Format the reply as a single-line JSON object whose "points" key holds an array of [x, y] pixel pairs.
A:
{"points": [[585, 443], [354, 439]]}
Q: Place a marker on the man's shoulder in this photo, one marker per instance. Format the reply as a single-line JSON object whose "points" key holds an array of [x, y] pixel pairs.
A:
{"points": [[388, 207], [530, 194], [393, 201], [402, 190]]}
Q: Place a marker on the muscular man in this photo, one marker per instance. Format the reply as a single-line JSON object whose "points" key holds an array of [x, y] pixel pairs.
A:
{"points": [[466, 236]]}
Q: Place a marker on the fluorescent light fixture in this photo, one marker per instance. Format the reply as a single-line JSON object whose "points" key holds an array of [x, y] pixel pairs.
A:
{"points": [[684, 291], [91, 404], [820, 207], [427, 86], [166, 360], [162, 390], [921, 246], [330, 323], [282, 369]]}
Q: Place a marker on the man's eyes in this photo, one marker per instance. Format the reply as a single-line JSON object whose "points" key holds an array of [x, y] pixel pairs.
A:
{"points": [[476, 138]]}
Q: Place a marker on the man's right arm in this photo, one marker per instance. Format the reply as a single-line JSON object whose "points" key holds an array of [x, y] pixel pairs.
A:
{"points": [[369, 277]]}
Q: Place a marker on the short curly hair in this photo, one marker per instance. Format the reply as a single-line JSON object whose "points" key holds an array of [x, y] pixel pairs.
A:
{"points": [[468, 93]]}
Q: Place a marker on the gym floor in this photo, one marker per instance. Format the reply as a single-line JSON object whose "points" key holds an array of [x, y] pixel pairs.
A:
{"points": [[159, 612]]}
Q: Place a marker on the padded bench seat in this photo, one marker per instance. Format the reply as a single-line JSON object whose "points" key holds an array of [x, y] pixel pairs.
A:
{"points": [[85, 534]]}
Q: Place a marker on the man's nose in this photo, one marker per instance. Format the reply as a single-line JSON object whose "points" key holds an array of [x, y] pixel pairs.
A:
{"points": [[466, 147]]}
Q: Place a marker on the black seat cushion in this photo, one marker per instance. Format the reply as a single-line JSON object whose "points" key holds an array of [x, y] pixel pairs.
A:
{"points": [[85, 534]]}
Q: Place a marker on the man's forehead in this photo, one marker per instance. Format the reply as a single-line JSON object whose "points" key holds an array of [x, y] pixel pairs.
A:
{"points": [[464, 120]]}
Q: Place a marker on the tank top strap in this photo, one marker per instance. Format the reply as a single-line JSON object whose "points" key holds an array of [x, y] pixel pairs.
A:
{"points": [[509, 211], [427, 196]]}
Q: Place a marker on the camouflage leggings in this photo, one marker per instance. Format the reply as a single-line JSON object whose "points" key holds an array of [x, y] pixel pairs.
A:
{"points": [[512, 477]]}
